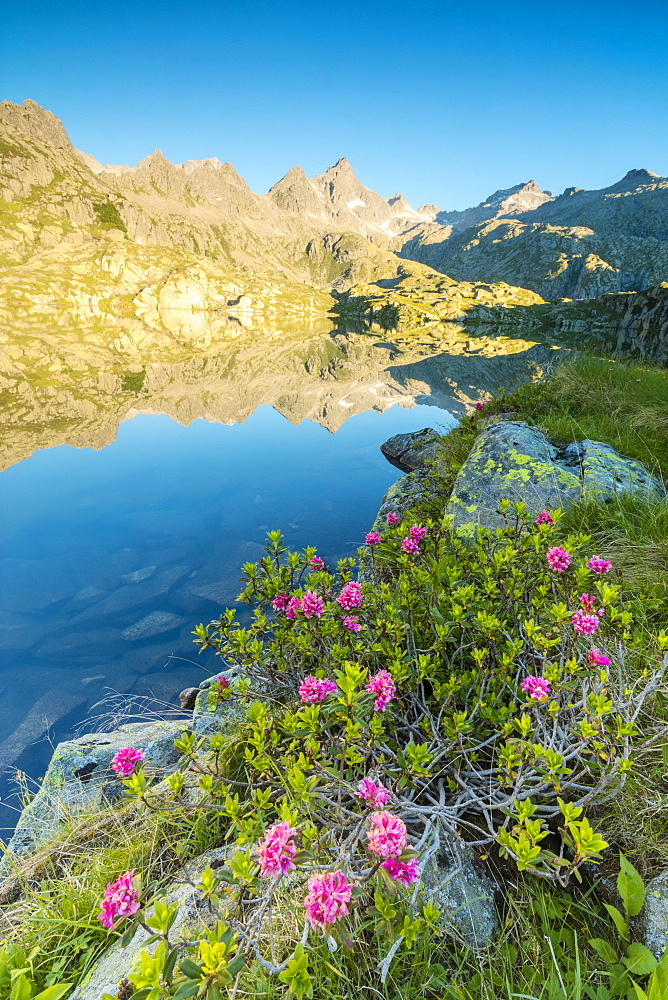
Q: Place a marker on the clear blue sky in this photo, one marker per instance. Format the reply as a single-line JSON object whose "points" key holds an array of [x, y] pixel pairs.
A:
{"points": [[445, 101]]}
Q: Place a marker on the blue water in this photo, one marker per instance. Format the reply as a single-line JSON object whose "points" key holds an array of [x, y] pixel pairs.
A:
{"points": [[184, 506]]}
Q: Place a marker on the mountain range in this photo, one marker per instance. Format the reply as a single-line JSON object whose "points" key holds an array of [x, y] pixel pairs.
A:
{"points": [[162, 253]]}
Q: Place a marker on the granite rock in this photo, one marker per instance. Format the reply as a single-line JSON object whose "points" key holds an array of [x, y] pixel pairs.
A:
{"points": [[411, 451]]}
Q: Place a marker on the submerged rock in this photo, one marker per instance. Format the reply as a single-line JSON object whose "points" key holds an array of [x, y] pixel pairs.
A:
{"points": [[138, 575], [153, 624], [47, 711], [79, 779]]}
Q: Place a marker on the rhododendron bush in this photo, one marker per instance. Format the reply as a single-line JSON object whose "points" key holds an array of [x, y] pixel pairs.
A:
{"points": [[470, 701]]}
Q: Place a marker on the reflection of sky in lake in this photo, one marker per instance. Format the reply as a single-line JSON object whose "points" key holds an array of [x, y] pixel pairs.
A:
{"points": [[184, 506]]}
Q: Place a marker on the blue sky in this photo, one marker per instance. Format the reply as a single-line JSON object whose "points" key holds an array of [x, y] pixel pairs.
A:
{"points": [[443, 101]]}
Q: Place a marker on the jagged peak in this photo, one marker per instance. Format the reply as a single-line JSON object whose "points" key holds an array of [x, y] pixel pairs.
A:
{"points": [[294, 174], [35, 120], [640, 174], [156, 157], [209, 161]]}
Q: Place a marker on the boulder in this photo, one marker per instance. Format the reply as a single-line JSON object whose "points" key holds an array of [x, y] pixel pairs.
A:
{"points": [[79, 779], [465, 895], [652, 921], [212, 718], [49, 709], [411, 451], [604, 472]]}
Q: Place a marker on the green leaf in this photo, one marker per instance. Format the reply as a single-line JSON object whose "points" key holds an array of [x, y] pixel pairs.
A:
{"points": [[657, 988], [189, 969], [618, 919], [631, 887], [188, 989], [639, 959], [54, 992], [604, 950]]}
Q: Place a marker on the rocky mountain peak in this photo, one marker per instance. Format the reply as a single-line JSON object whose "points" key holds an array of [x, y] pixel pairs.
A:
{"points": [[35, 120], [504, 202]]}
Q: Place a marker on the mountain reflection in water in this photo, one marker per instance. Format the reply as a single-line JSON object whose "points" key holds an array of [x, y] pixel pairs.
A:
{"points": [[115, 548]]}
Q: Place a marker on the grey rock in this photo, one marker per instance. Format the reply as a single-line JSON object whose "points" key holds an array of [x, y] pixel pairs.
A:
{"points": [[153, 624], [605, 472], [208, 718], [162, 687], [148, 659], [134, 594], [652, 921], [411, 451], [86, 594], [79, 778], [464, 894], [193, 916], [188, 697], [138, 575]]}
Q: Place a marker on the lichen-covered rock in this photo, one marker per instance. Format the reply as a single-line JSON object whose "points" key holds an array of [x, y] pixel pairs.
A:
{"points": [[411, 451], [604, 472], [653, 918], [79, 778], [214, 715], [509, 461], [464, 894], [193, 916]]}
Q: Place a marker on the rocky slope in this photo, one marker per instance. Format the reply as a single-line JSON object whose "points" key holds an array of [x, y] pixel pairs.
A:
{"points": [[579, 245], [504, 203]]}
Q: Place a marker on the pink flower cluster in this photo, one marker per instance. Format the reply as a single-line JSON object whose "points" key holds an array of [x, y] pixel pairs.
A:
{"points": [[536, 687], [588, 602], [410, 545], [544, 518], [559, 559], [120, 900], [417, 533], [383, 686], [327, 899], [479, 406], [372, 793], [312, 605], [392, 518], [126, 760], [314, 689], [350, 596], [386, 834], [585, 624], [276, 850], [280, 602], [595, 658], [373, 538], [598, 565], [405, 873], [352, 623], [292, 607], [316, 563]]}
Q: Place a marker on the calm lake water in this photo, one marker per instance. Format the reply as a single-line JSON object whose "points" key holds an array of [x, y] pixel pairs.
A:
{"points": [[130, 499]]}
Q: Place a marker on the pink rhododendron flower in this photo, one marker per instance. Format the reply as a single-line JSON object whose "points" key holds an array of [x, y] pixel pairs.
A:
{"points": [[392, 518], [126, 760], [536, 687], [119, 900], [417, 533], [559, 559], [585, 624], [292, 607], [596, 658], [314, 689], [280, 602], [405, 873], [312, 605], [372, 793], [350, 596], [544, 518], [410, 545], [479, 406], [386, 834], [588, 602], [352, 623], [316, 563], [276, 850], [383, 686], [373, 538], [327, 899], [598, 565]]}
